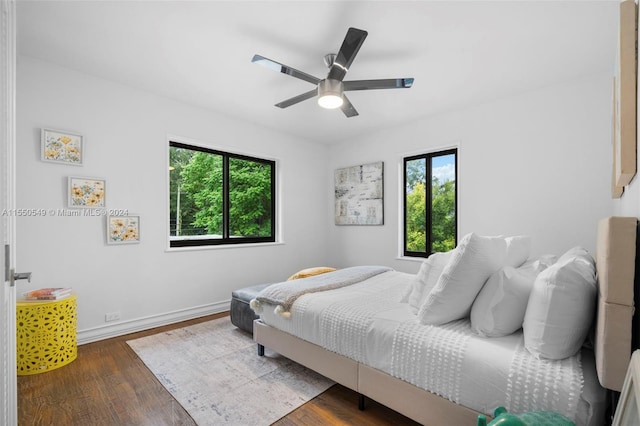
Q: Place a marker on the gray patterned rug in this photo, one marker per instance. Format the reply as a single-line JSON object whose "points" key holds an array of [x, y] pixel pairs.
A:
{"points": [[212, 369]]}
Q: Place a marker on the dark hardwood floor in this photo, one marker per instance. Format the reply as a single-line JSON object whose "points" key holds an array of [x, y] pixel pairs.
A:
{"points": [[109, 385]]}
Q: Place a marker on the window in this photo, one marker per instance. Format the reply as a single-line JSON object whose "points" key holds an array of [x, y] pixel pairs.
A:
{"points": [[219, 198], [430, 203]]}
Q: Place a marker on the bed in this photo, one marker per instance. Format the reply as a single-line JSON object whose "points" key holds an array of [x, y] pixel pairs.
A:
{"points": [[367, 337]]}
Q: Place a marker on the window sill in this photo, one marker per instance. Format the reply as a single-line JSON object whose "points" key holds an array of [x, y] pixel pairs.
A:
{"points": [[222, 247], [411, 258]]}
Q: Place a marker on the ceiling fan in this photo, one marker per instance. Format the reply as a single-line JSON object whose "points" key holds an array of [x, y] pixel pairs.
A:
{"points": [[330, 91]]}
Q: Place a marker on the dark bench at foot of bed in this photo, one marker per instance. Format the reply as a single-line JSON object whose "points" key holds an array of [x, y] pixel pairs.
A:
{"points": [[242, 315]]}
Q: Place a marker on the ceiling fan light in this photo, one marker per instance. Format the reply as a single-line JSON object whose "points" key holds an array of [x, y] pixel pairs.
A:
{"points": [[330, 94], [330, 101]]}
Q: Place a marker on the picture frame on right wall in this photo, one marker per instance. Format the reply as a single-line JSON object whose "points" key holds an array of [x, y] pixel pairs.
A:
{"points": [[625, 94], [627, 412], [616, 191]]}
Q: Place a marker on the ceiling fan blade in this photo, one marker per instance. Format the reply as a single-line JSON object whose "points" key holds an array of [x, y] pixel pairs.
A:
{"points": [[303, 97], [348, 51], [276, 66], [347, 107], [389, 83]]}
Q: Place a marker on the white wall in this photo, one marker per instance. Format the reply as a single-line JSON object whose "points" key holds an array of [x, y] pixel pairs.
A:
{"points": [[537, 164], [629, 203], [126, 144]]}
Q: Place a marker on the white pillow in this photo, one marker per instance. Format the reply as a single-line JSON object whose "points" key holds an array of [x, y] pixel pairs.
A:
{"points": [[543, 262], [561, 306], [406, 293], [471, 264], [427, 277], [501, 304], [518, 250], [574, 252]]}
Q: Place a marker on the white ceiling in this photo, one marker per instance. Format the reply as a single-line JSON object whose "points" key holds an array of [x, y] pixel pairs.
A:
{"points": [[460, 53]]}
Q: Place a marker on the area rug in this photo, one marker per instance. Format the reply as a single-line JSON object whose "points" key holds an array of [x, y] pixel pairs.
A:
{"points": [[213, 370]]}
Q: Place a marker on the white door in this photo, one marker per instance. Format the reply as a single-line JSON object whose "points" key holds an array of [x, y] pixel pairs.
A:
{"points": [[8, 388]]}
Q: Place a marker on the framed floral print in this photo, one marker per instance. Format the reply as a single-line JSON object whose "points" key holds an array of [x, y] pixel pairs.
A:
{"points": [[123, 229], [62, 147], [87, 193]]}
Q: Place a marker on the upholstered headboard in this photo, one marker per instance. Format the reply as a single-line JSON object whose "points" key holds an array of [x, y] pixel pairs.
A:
{"points": [[615, 261]]}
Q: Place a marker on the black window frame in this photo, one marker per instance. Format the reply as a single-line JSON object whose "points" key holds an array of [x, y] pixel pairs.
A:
{"points": [[428, 156], [226, 239]]}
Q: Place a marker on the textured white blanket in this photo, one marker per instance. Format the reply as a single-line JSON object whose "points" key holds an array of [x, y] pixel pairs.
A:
{"points": [[368, 323], [283, 294]]}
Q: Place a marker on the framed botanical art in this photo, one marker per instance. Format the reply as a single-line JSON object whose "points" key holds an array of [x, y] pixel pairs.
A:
{"points": [[358, 195], [86, 192], [61, 147], [123, 229]]}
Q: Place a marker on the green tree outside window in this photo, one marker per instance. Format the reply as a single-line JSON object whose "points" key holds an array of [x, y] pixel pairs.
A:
{"points": [[217, 197], [430, 211]]}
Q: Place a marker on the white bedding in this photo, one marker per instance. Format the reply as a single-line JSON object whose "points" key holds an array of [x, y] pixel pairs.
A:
{"points": [[368, 323]]}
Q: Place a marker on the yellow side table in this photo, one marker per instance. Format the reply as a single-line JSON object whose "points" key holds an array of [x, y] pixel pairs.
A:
{"points": [[46, 335]]}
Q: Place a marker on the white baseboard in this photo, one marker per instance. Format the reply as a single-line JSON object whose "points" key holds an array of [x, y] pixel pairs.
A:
{"points": [[140, 324]]}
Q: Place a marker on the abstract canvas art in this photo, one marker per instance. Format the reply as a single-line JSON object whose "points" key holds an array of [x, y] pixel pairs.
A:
{"points": [[358, 195]]}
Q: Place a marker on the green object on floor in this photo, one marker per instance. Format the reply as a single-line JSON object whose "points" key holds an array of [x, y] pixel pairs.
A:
{"points": [[532, 418]]}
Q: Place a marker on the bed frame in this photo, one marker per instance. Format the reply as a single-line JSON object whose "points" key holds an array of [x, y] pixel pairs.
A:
{"points": [[616, 264]]}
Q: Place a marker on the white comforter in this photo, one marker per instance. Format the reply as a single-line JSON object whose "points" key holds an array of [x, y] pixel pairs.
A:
{"points": [[284, 294], [368, 323]]}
